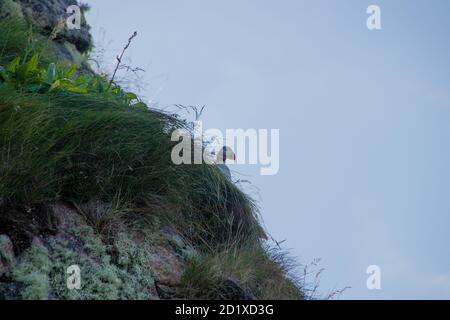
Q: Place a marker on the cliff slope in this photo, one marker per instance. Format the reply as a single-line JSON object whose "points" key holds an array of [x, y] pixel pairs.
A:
{"points": [[86, 180]]}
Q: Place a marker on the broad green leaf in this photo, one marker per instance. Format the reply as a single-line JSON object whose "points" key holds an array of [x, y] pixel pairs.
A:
{"points": [[140, 105], [51, 73], [55, 85], [12, 66], [68, 73], [115, 89], [27, 68], [32, 64], [130, 96]]}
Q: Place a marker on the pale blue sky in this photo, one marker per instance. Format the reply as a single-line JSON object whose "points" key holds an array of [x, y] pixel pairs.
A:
{"points": [[363, 116]]}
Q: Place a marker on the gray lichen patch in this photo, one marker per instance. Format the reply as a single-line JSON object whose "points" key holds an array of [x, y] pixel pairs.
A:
{"points": [[120, 270]]}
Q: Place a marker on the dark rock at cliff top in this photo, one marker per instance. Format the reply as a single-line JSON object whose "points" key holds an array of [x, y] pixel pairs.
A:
{"points": [[45, 15]]}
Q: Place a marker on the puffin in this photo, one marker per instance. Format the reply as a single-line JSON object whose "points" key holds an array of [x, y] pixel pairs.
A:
{"points": [[226, 153], [222, 156]]}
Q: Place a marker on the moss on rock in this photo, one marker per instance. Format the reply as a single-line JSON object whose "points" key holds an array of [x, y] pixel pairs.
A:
{"points": [[119, 270]]}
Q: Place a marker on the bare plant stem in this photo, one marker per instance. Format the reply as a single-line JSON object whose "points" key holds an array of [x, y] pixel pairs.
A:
{"points": [[119, 58]]}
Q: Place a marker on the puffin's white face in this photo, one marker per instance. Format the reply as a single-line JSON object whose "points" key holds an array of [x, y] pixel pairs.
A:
{"points": [[224, 154]]}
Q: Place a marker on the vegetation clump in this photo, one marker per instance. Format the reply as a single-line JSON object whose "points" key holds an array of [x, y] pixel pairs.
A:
{"points": [[76, 138]]}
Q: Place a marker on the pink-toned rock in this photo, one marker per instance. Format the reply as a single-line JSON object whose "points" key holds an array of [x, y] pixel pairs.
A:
{"points": [[6, 253], [166, 265], [64, 216], [154, 293]]}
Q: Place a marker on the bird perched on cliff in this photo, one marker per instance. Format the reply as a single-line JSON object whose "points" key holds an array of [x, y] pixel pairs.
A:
{"points": [[226, 153], [222, 156]]}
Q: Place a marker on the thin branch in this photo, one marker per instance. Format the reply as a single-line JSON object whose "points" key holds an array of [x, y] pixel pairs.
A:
{"points": [[197, 110], [129, 68], [119, 58]]}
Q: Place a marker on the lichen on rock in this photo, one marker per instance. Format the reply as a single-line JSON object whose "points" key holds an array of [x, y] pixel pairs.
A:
{"points": [[120, 270], [86, 179]]}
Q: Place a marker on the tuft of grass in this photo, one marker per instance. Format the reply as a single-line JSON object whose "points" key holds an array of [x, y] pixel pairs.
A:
{"points": [[77, 147], [240, 273]]}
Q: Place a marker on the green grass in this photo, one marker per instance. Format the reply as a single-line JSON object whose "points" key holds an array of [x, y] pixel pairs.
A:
{"points": [[77, 147], [261, 273], [88, 148], [17, 39]]}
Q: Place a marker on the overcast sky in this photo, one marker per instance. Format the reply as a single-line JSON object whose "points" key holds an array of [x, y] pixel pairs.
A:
{"points": [[364, 119]]}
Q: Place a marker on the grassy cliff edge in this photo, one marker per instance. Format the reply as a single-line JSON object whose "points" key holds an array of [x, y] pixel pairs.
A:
{"points": [[86, 179]]}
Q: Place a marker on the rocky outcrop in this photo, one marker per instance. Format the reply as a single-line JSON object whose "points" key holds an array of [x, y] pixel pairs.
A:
{"points": [[6, 253], [70, 45], [136, 264], [46, 15], [132, 266]]}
